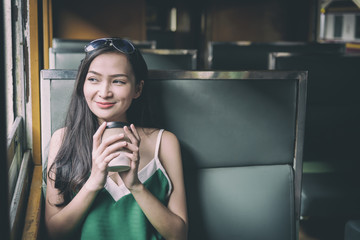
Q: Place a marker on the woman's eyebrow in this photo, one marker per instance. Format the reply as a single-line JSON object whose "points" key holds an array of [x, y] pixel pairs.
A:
{"points": [[119, 75], [94, 72], [113, 75]]}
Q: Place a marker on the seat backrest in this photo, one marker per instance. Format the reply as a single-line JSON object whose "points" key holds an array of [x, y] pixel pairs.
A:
{"points": [[77, 44], [170, 59], [254, 56], [68, 53], [241, 138], [65, 58], [333, 114], [56, 89], [240, 134]]}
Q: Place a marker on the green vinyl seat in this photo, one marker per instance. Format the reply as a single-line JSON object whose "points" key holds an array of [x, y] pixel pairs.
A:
{"points": [[241, 138], [330, 181], [170, 59], [352, 230], [244, 55], [68, 53]]}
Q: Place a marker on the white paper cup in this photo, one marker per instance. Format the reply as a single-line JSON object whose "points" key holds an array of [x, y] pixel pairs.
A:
{"points": [[122, 162], [119, 164]]}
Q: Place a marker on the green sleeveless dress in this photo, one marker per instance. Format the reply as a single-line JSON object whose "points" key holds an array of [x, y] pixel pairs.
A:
{"points": [[116, 215]]}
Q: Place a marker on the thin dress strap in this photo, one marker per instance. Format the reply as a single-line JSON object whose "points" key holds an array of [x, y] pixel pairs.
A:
{"points": [[157, 147]]}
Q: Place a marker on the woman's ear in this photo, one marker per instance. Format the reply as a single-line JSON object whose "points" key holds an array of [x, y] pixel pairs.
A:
{"points": [[138, 89]]}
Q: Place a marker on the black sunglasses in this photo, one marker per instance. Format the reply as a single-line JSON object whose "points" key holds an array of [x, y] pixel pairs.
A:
{"points": [[119, 44]]}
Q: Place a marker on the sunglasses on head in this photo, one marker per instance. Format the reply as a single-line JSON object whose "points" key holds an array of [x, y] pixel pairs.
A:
{"points": [[119, 44]]}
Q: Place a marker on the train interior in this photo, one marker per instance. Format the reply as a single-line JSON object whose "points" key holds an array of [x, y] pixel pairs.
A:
{"points": [[283, 73]]}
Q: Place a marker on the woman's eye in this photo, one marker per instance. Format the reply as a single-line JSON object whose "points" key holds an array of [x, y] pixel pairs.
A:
{"points": [[92, 80], [119, 81]]}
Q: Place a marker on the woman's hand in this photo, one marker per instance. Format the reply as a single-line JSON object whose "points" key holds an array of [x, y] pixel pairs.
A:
{"points": [[102, 153], [130, 178]]}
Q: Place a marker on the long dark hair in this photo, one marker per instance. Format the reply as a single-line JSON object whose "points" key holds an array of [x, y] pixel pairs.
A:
{"points": [[73, 161]]}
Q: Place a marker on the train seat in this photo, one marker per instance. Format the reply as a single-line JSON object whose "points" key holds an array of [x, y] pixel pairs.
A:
{"points": [[244, 55], [241, 137], [352, 230], [67, 54], [170, 59], [330, 180], [76, 44]]}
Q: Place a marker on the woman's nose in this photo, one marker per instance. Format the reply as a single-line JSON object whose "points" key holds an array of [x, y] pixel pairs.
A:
{"points": [[105, 90]]}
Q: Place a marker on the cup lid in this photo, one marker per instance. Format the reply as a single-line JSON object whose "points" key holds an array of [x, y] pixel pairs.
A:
{"points": [[116, 124]]}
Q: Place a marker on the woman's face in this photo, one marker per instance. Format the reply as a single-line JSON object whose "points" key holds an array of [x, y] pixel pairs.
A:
{"points": [[110, 87]]}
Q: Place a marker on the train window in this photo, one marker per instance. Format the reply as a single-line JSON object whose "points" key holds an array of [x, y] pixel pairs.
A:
{"points": [[16, 61], [19, 160], [8, 65]]}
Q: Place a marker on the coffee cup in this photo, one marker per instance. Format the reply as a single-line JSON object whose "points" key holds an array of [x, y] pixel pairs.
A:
{"points": [[122, 162]]}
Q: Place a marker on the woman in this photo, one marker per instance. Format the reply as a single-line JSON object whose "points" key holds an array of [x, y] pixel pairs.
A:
{"points": [[83, 199]]}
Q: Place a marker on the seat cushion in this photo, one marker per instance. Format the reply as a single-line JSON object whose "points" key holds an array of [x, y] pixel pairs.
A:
{"points": [[255, 202], [330, 194], [352, 230]]}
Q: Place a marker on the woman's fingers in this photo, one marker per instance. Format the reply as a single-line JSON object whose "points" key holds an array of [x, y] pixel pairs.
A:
{"points": [[112, 139], [136, 134], [97, 136], [107, 149], [108, 142], [132, 134], [133, 146], [103, 164], [132, 152], [115, 147], [111, 157]]}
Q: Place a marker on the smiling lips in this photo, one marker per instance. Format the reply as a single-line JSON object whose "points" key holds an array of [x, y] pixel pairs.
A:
{"points": [[105, 104]]}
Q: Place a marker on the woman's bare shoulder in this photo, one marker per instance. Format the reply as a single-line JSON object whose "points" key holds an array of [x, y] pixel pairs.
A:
{"points": [[169, 139], [55, 143], [151, 134], [57, 137], [58, 134], [169, 147]]}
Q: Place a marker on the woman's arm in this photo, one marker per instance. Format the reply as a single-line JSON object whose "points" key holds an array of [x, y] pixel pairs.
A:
{"points": [[170, 221], [63, 221]]}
